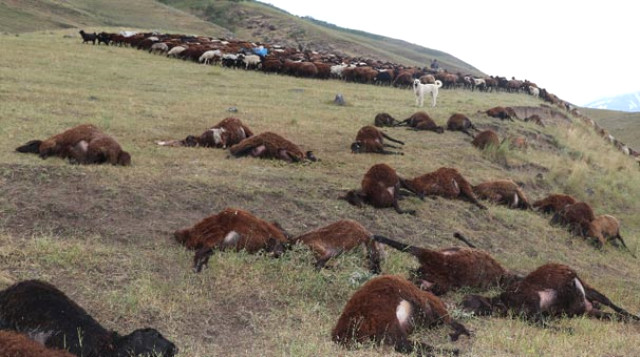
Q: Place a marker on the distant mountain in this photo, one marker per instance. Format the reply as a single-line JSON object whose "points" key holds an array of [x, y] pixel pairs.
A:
{"points": [[625, 103]]}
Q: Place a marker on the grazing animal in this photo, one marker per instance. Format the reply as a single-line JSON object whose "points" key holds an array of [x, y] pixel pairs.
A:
{"points": [[504, 192], [88, 37], [460, 122], [604, 228], [577, 217], [44, 313], [387, 309], [446, 182], [420, 90], [453, 268], [552, 290], [271, 145], [84, 143], [231, 228], [485, 139], [384, 119], [421, 121], [339, 237], [13, 344], [554, 203], [371, 139], [380, 188], [501, 113]]}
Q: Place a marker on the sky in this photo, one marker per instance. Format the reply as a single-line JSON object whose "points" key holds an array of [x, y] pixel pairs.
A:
{"points": [[579, 51]]}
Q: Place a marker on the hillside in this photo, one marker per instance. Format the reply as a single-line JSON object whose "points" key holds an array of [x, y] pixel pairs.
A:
{"points": [[623, 125], [104, 234], [247, 20], [17, 16]]}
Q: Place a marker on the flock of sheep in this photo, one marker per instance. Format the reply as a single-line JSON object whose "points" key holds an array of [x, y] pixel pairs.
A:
{"points": [[387, 308]]}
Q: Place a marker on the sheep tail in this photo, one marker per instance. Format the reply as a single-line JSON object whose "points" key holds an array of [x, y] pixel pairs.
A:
{"points": [[463, 239], [594, 295], [438, 83], [397, 245]]}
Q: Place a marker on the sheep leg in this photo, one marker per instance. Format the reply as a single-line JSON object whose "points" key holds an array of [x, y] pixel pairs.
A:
{"points": [[396, 194], [594, 295], [373, 254], [619, 237], [391, 146], [467, 132], [387, 152], [391, 139]]}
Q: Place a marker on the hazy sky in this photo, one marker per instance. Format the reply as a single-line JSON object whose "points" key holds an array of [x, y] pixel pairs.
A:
{"points": [[580, 51]]}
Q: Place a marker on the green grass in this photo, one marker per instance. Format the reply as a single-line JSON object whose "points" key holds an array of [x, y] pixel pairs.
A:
{"points": [[104, 234]]}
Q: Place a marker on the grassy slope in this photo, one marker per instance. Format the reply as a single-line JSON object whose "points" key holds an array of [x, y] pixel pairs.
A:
{"points": [[622, 125], [103, 234], [18, 16]]}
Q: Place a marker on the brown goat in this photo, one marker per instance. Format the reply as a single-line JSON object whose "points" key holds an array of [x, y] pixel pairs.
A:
{"points": [[606, 228], [504, 192], [384, 119], [13, 344], [501, 113], [551, 290], [554, 203], [460, 122], [485, 139], [453, 268], [271, 145], [380, 188], [342, 236], [386, 310], [421, 121], [85, 144], [577, 217], [231, 228], [371, 139], [445, 181]]}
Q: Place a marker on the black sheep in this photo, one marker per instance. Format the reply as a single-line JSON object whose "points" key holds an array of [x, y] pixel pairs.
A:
{"points": [[43, 312]]}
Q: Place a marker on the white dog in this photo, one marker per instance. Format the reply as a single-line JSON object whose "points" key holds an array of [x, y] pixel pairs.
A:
{"points": [[420, 89]]}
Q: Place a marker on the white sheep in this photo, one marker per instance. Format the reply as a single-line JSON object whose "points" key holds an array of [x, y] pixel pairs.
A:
{"points": [[252, 61], [174, 52], [159, 47], [534, 91], [211, 56]]}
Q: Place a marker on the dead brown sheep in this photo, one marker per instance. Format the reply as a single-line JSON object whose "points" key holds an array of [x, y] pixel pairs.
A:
{"points": [[421, 121], [384, 119], [380, 188], [339, 237], [606, 228], [271, 146], [501, 113], [577, 217], [445, 182], [504, 192], [554, 203], [453, 268], [229, 131], [485, 139], [386, 310], [552, 290], [371, 139], [231, 228], [460, 122], [84, 144]]}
